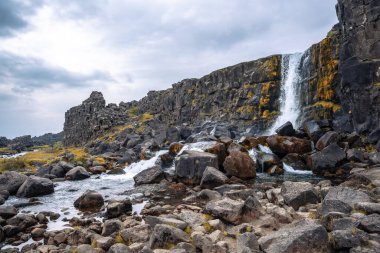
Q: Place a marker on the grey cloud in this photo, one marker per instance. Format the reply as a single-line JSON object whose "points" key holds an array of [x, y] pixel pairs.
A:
{"points": [[29, 74], [13, 15]]}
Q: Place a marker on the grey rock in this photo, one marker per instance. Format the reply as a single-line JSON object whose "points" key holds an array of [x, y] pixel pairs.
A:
{"points": [[22, 221], [7, 211], [118, 208], [329, 158], [346, 239], [11, 181], [368, 207], [212, 178], [190, 165], [327, 139], [247, 243], [226, 209], [136, 234], [77, 173], [286, 129], [164, 235], [154, 220], [297, 194], [35, 186], [371, 223], [119, 248], [296, 237], [111, 226], [149, 176]]}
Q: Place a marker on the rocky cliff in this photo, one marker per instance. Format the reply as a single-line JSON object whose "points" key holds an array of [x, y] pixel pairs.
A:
{"points": [[339, 82]]}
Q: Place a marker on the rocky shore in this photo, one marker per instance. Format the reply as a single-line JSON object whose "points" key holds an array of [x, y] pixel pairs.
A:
{"points": [[209, 198]]}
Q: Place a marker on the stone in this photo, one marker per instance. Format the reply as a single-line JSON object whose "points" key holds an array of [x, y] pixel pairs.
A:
{"points": [[85, 248], [11, 181], [241, 165], [104, 242], [226, 209], [375, 158], [370, 223], [297, 194], [220, 150], [296, 161], [374, 136], [355, 155], [247, 243], [153, 221], [212, 178], [175, 148], [327, 139], [136, 234], [296, 237], [77, 173], [366, 207], [266, 161], [165, 235], [282, 145], [251, 209], [22, 221], [329, 158], [35, 186], [89, 201], [119, 248], [149, 176], [343, 199], [117, 208], [61, 168], [4, 194], [96, 170], [38, 232], [346, 239], [190, 165], [313, 130], [7, 211], [286, 129], [207, 195], [111, 226]]}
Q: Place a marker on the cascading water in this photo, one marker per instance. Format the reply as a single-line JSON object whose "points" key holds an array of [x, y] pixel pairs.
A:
{"points": [[289, 100]]}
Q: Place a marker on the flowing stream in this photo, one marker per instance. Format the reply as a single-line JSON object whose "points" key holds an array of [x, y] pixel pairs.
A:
{"points": [[289, 99]]}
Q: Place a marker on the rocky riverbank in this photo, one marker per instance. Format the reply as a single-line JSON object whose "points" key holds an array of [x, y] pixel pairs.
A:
{"points": [[205, 195]]}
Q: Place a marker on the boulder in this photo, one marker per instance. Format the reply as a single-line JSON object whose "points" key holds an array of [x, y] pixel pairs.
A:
{"points": [[163, 236], [247, 243], [85, 248], [297, 194], [7, 211], [327, 139], [89, 201], [95, 170], [22, 221], [61, 168], [346, 239], [117, 208], [4, 194], [329, 158], [282, 145], [212, 178], [374, 136], [296, 161], [119, 248], [104, 243], [35, 186], [355, 155], [374, 158], [266, 161], [240, 164], [154, 220], [77, 173], [136, 234], [313, 130], [190, 165], [303, 236], [111, 226], [149, 176], [368, 207], [226, 209], [370, 223], [342, 199], [175, 148], [286, 129], [11, 181], [220, 150], [172, 134]]}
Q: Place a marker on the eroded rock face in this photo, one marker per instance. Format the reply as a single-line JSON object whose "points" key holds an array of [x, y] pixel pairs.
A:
{"points": [[296, 237]]}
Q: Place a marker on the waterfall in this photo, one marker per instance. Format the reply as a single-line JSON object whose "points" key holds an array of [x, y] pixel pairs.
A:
{"points": [[289, 99]]}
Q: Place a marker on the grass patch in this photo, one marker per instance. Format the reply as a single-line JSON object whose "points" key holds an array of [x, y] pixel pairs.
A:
{"points": [[12, 164]]}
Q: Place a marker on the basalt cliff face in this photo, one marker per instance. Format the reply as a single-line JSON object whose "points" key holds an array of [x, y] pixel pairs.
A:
{"points": [[339, 81]]}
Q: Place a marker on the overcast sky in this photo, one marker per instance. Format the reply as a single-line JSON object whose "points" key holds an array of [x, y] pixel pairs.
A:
{"points": [[53, 53]]}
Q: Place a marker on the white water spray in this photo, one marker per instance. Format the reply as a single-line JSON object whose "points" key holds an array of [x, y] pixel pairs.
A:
{"points": [[289, 100]]}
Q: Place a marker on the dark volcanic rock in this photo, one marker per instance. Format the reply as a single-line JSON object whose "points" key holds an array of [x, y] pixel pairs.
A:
{"points": [[166, 235], [90, 200], [313, 130], [296, 161], [328, 158], [297, 194], [240, 164], [7, 211], [327, 139], [11, 181], [190, 165], [77, 173], [35, 186], [302, 236], [286, 129], [212, 178], [149, 176]]}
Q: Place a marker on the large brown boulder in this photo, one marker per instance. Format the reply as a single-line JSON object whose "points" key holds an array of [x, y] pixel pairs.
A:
{"points": [[240, 164], [282, 145]]}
